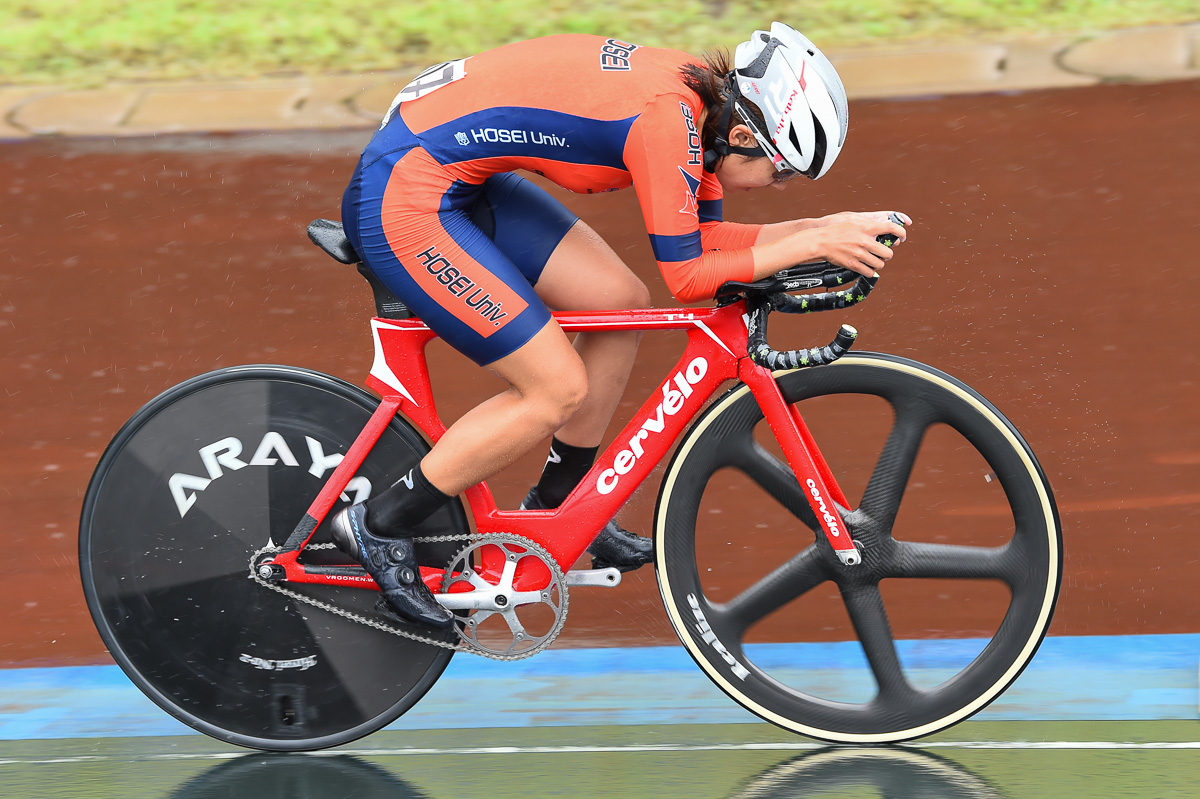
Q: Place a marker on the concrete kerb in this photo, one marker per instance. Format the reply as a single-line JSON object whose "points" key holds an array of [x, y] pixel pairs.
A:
{"points": [[358, 101], [1168, 53]]}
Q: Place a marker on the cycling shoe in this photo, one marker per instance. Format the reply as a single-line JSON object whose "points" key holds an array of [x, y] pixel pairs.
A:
{"points": [[614, 547], [392, 563], [619, 548]]}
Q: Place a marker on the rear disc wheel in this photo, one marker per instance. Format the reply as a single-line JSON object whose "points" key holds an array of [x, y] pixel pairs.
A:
{"points": [[210, 472]]}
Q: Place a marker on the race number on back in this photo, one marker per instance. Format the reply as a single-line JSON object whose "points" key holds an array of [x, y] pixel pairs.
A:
{"points": [[428, 81]]}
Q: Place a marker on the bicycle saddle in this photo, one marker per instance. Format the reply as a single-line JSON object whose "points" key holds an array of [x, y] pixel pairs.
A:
{"points": [[330, 237]]}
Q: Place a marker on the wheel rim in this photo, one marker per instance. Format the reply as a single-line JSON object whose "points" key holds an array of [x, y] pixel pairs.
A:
{"points": [[166, 571], [1028, 563]]}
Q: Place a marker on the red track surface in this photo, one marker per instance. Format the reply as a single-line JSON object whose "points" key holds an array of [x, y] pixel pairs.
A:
{"points": [[1051, 267]]}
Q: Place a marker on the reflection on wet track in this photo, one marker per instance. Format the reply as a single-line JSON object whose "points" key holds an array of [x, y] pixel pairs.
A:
{"points": [[831, 772], [297, 777], [883, 771], [976, 761]]}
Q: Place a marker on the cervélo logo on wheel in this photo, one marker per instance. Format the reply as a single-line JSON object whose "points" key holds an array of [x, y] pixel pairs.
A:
{"points": [[675, 393]]}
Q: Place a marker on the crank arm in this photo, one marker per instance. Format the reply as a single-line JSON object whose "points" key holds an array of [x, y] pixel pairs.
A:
{"points": [[496, 601], [597, 578]]}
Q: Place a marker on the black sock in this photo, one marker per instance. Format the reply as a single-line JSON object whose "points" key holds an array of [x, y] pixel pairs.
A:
{"points": [[399, 509], [565, 467]]}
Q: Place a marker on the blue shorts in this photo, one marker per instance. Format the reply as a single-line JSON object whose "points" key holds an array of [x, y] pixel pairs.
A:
{"points": [[464, 257]]}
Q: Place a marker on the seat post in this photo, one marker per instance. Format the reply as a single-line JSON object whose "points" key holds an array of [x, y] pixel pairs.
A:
{"points": [[330, 236]]}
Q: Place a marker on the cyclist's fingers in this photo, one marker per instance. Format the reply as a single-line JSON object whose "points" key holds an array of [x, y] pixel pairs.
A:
{"points": [[898, 231], [880, 251], [866, 262], [860, 267], [885, 216]]}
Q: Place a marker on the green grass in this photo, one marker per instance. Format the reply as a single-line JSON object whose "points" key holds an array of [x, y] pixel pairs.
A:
{"points": [[89, 42]]}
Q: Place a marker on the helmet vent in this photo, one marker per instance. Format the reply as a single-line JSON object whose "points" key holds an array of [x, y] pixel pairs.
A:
{"points": [[758, 67], [819, 147], [795, 140]]}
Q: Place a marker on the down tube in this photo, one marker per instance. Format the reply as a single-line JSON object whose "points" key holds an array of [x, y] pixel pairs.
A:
{"points": [[632, 456]]}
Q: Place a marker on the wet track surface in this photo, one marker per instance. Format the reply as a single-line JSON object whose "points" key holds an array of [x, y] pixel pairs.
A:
{"points": [[1051, 267], [710, 762]]}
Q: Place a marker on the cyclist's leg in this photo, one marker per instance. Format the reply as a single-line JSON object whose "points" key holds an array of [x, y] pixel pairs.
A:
{"points": [[415, 234], [418, 239], [547, 383], [585, 274], [572, 269]]}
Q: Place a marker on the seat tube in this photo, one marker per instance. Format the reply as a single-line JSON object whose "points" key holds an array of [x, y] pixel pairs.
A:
{"points": [[811, 470], [341, 475]]}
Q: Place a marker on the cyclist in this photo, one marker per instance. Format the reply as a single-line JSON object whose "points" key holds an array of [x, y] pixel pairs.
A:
{"points": [[479, 253]]}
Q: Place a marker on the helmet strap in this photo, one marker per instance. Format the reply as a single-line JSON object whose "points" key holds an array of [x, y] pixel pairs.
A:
{"points": [[756, 151], [721, 146]]}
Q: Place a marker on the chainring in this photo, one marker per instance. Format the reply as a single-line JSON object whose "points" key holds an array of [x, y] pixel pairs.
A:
{"points": [[494, 619], [556, 598]]}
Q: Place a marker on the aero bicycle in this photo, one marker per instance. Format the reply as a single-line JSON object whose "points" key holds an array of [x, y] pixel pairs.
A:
{"points": [[207, 567]]}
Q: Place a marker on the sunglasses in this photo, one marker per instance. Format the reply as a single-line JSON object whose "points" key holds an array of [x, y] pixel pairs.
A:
{"points": [[782, 173]]}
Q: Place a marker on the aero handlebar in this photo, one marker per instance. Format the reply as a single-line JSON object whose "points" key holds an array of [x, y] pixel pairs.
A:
{"points": [[760, 305], [771, 294]]}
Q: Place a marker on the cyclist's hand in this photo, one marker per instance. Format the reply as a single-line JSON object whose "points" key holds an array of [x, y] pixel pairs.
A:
{"points": [[850, 241], [882, 216]]}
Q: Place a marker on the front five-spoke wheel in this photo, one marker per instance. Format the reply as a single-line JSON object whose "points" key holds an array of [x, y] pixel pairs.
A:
{"points": [[956, 525]]}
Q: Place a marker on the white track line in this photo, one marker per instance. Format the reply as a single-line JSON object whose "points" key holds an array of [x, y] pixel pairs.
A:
{"points": [[630, 748]]}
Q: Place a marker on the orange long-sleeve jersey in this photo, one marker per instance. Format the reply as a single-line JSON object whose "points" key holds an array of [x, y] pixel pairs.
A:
{"points": [[590, 114]]}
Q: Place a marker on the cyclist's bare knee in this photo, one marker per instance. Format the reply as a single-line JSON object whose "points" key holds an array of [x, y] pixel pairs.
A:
{"points": [[570, 391], [548, 375], [636, 294], [557, 396]]}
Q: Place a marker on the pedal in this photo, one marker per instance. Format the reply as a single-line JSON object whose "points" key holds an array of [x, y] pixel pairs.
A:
{"points": [[596, 578]]}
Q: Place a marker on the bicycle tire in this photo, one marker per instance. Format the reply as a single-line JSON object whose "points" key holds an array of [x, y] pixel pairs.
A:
{"points": [[718, 630], [165, 560]]}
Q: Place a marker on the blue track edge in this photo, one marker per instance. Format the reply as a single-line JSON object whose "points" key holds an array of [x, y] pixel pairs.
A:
{"points": [[1071, 678]]}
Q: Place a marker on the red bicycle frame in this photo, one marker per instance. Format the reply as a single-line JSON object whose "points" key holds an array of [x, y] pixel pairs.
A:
{"points": [[715, 353]]}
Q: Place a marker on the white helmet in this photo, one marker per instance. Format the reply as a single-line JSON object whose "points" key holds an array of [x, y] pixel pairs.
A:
{"points": [[799, 94]]}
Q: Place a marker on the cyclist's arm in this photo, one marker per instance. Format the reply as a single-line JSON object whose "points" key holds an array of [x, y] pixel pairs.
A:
{"points": [[715, 232], [802, 242], [777, 230], [846, 240], [665, 164]]}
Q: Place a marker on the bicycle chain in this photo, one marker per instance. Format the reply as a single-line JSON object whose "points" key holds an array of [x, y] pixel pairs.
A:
{"points": [[555, 571]]}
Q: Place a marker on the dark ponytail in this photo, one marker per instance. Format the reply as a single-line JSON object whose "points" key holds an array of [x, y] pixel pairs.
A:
{"points": [[709, 81]]}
